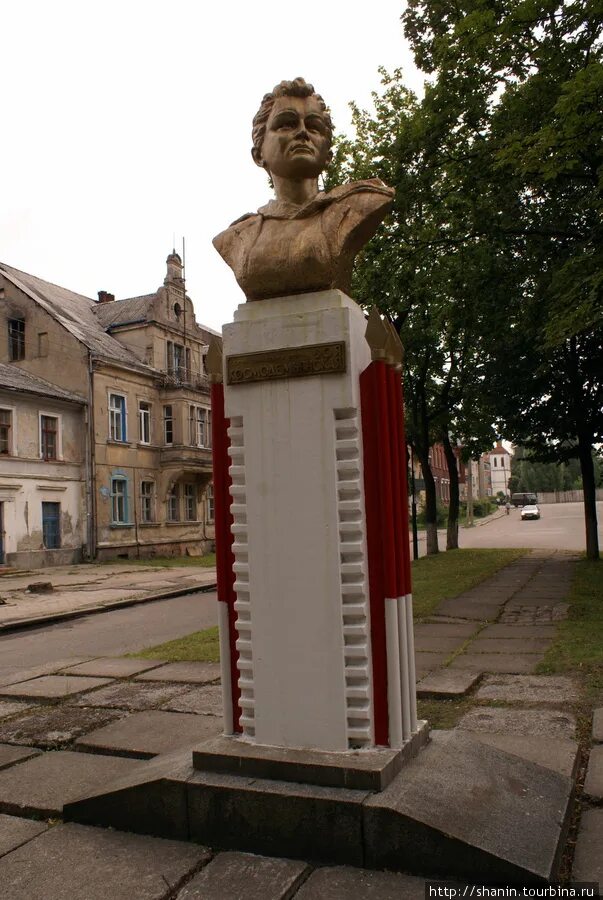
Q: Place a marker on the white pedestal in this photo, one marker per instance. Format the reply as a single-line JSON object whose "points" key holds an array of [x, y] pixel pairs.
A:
{"points": [[300, 548]]}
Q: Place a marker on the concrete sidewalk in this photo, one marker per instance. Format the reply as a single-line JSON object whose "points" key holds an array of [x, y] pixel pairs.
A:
{"points": [[82, 589], [72, 727]]}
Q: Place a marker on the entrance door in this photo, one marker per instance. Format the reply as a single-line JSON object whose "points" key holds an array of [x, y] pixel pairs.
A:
{"points": [[51, 525], [1, 534]]}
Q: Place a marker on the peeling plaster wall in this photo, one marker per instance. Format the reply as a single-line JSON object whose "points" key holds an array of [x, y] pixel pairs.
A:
{"points": [[26, 481]]}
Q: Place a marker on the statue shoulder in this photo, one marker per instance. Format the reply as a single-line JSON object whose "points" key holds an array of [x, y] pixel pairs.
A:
{"points": [[228, 242], [369, 194]]}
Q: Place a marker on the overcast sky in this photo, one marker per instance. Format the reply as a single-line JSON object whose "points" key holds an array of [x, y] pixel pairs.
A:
{"points": [[126, 123]]}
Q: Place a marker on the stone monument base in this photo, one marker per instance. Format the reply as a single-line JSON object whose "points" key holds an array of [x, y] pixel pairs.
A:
{"points": [[458, 809], [368, 770]]}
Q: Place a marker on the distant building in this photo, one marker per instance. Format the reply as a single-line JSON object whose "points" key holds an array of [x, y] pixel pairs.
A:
{"points": [[499, 462], [137, 366]]}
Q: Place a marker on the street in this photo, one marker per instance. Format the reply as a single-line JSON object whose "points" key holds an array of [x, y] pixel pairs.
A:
{"points": [[109, 633], [560, 527]]}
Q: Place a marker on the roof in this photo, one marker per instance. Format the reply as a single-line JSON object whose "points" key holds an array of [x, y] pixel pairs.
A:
{"points": [[77, 314], [124, 312], [12, 378]]}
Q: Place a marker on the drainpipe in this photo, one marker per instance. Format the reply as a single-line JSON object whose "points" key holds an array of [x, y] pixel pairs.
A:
{"points": [[91, 464]]}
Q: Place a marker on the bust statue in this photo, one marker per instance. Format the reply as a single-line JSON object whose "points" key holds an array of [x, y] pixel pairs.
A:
{"points": [[305, 239]]}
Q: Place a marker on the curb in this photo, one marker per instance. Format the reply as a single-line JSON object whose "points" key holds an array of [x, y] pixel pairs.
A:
{"points": [[37, 621]]}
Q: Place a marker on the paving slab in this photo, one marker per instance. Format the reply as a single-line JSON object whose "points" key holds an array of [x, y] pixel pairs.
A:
{"points": [[559, 754], [13, 708], [246, 876], [77, 862], [445, 629], [9, 755], [551, 723], [346, 883], [433, 643], [129, 695], [146, 734], [427, 662], [598, 726], [52, 687], [588, 856], [547, 689], [478, 610], [497, 662], [499, 630], [113, 667], [445, 682], [507, 645], [204, 701], [24, 674], [593, 783], [15, 831], [192, 672], [55, 727], [462, 809], [41, 786]]}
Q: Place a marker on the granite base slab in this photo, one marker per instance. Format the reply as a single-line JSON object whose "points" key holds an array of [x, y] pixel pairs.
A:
{"points": [[512, 828], [363, 770]]}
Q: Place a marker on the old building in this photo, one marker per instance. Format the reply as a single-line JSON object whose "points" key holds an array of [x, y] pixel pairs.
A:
{"points": [[499, 461], [138, 364], [42, 471]]}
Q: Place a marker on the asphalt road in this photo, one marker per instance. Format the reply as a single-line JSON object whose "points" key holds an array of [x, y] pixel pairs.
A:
{"points": [[560, 527], [108, 634]]}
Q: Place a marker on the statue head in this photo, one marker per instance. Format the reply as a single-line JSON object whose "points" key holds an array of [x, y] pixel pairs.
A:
{"points": [[292, 131]]}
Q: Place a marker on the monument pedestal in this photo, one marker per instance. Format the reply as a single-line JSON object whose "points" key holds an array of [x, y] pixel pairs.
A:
{"points": [[321, 643]]}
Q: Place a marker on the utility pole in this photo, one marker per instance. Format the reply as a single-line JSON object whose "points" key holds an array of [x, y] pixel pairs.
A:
{"points": [[469, 468], [415, 536]]}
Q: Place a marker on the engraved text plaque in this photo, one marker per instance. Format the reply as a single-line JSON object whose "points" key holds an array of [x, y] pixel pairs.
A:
{"points": [[289, 362]]}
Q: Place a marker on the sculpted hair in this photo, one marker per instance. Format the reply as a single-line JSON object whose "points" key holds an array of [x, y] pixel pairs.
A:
{"points": [[296, 88]]}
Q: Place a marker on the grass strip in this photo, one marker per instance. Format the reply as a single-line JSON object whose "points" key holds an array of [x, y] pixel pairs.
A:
{"points": [[434, 578]]}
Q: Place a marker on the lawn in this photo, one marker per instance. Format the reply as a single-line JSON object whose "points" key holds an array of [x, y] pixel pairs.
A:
{"points": [[434, 578]]}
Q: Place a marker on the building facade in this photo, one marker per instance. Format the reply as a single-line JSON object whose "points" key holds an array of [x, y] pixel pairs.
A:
{"points": [[137, 366]]}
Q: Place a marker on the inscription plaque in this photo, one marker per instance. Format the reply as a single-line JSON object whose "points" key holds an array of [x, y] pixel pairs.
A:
{"points": [[288, 362]]}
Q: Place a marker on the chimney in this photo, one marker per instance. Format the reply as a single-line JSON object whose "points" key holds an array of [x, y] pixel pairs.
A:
{"points": [[105, 297]]}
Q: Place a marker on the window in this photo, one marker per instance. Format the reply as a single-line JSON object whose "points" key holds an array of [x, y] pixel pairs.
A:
{"points": [[144, 422], [178, 360], [117, 417], [48, 437], [51, 525], [173, 504], [6, 422], [16, 339], [119, 501], [190, 502], [147, 501], [495, 462], [210, 512], [168, 425], [199, 420]]}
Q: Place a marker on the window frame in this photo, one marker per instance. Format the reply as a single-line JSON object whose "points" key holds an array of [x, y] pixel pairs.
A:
{"points": [[144, 416], [10, 435], [123, 413], [189, 495], [210, 500], [45, 414], [121, 480], [16, 339], [166, 419], [147, 502], [173, 497]]}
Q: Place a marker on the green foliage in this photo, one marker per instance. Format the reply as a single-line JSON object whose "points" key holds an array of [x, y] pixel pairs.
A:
{"points": [[579, 642], [538, 477], [200, 646]]}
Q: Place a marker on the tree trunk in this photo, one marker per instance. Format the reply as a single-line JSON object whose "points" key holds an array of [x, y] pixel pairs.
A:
{"points": [[452, 533], [431, 507], [590, 497]]}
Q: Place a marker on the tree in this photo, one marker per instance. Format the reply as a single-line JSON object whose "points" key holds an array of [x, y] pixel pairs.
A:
{"points": [[526, 76]]}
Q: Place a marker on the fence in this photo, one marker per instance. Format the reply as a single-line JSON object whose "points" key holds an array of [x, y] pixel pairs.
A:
{"points": [[566, 496]]}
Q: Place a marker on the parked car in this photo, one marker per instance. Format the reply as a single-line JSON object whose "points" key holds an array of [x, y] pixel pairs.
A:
{"points": [[530, 512]]}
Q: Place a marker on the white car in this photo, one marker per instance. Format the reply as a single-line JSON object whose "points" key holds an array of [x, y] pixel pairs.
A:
{"points": [[530, 512]]}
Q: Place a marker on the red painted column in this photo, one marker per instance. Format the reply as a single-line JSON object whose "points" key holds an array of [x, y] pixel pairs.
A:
{"points": [[369, 401], [224, 537]]}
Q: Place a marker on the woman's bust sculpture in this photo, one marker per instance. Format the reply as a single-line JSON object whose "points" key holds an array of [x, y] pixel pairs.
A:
{"points": [[304, 240]]}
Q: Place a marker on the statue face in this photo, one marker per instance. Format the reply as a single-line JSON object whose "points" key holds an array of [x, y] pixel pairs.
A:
{"points": [[297, 142]]}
